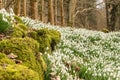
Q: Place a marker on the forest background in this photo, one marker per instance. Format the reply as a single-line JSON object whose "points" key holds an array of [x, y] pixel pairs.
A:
{"points": [[90, 14]]}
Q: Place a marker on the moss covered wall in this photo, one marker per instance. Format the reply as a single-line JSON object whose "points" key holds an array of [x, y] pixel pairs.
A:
{"points": [[47, 39], [28, 45], [27, 51], [11, 71]]}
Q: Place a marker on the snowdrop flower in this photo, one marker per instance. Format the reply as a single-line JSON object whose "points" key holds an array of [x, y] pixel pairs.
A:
{"points": [[97, 51]]}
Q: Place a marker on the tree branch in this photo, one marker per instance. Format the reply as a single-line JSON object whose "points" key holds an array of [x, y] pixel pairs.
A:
{"points": [[9, 4]]}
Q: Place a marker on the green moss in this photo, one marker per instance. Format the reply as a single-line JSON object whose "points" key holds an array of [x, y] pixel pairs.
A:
{"points": [[47, 39], [55, 36], [2, 56], [18, 19], [44, 44], [44, 66], [5, 60], [105, 30], [17, 32], [20, 30], [22, 26], [17, 72], [43, 32], [33, 34], [27, 51], [11, 71], [43, 38]]}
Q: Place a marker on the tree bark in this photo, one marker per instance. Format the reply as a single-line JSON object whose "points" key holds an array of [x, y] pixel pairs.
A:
{"points": [[17, 7], [55, 11], [117, 24], [50, 12], [113, 15], [0, 4], [72, 6], [34, 9], [42, 10], [62, 13], [24, 8], [107, 14]]}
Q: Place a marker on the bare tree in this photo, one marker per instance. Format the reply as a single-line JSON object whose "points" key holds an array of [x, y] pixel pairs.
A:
{"points": [[113, 14], [85, 14]]}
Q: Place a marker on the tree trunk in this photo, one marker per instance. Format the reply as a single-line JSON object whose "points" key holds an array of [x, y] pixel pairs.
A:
{"points": [[24, 7], [62, 13], [42, 10], [113, 15], [34, 9], [17, 7], [117, 24], [72, 6], [0, 4], [55, 11], [107, 14], [50, 12]]}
